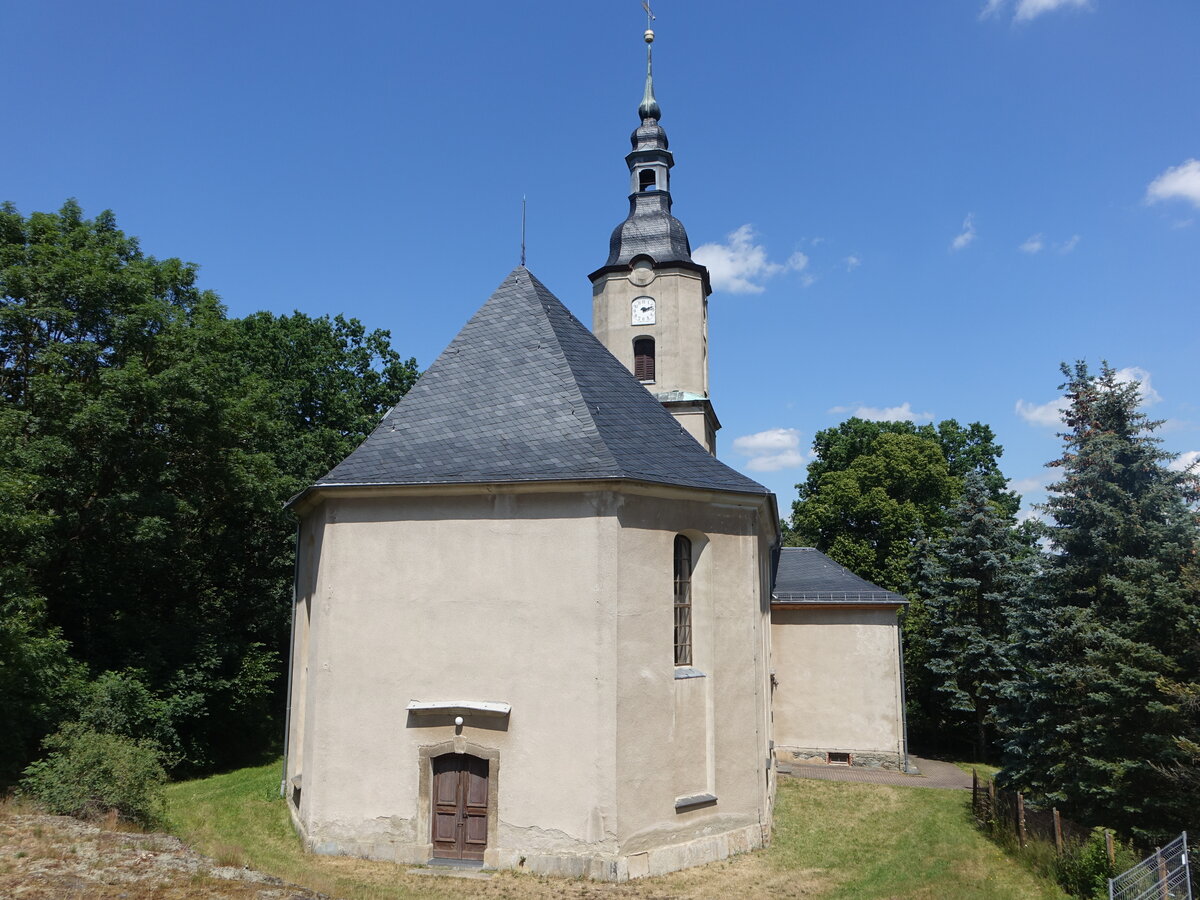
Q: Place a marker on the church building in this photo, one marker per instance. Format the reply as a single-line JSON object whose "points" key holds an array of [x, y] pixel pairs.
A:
{"points": [[533, 619]]}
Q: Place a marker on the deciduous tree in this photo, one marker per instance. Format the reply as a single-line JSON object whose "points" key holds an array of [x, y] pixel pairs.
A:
{"points": [[156, 441]]}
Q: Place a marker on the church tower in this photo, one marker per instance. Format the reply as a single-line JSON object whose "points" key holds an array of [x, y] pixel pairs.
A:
{"points": [[650, 299]]}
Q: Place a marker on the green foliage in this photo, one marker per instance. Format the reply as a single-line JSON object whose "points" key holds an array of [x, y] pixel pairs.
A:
{"points": [[38, 681], [1183, 699], [149, 443], [1090, 729], [1084, 869], [971, 582], [88, 773], [875, 487], [120, 703]]}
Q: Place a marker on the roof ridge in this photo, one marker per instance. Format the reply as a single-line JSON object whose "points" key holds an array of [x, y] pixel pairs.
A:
{"points": [[546, 303]]}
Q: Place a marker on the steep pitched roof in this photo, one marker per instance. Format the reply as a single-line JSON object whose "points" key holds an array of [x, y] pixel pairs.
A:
{"points": [[526, 393], [805, 575]]}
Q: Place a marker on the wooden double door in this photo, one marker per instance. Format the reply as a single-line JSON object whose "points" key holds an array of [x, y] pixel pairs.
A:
{"points": [[460, 806]]}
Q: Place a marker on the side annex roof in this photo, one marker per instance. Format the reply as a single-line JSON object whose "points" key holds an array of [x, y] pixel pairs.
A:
{"points": [[804, 575], [525, 393]]}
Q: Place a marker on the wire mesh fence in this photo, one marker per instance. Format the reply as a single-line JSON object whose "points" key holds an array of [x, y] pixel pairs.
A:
{"points": [[1164, 875]]}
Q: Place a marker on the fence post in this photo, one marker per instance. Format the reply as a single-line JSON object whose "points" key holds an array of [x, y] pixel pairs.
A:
{"points": [[1058, 838], [1164, 891], [975, 792], [1187, 865], [1108, 845], [1021, 819], [992, 815]]}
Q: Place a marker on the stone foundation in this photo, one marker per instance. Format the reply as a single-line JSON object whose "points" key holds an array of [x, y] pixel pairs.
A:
{"points": [[596, 866], [867, 759]]}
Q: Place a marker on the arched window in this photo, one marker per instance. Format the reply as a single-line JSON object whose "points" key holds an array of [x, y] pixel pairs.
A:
{"points": [[647, 180], [643, 359], [683, 601]]}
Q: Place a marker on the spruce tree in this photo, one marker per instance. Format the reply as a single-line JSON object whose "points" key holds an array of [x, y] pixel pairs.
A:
{"points": [[1091, 728], [971, 582]]}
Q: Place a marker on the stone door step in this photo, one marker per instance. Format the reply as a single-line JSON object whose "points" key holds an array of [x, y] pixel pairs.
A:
{"points": [[453, 870]]}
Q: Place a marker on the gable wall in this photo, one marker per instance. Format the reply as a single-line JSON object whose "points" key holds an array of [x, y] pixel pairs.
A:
{"points": [[491, 598], [839, 685], [560, 604]]}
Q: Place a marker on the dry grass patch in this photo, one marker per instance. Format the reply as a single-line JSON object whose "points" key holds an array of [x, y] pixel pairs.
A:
{"points": [[59, 857]]}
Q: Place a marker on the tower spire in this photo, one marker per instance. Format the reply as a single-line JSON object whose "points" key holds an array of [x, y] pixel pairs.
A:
{"points": [[648, 108], [650, 299]]}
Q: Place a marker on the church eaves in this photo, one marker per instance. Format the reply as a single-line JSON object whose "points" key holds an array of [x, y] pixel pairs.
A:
{"points": [[525, 393]]}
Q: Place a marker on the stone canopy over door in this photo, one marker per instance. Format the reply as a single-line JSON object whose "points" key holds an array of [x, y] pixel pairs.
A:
{"points": [[460, 806]]}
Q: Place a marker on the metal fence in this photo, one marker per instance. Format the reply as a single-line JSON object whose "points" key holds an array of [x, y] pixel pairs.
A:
{"points": [[1166, 875]]}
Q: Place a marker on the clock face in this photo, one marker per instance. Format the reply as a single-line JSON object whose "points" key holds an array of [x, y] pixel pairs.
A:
{"points": [[643, 311]]}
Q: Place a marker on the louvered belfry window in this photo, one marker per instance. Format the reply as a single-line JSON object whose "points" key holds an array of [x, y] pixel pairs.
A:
{"points": [[683, 601], [643, 359]]}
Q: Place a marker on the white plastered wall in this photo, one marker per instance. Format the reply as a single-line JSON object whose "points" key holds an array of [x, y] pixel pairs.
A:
{"points": [[680, 331], [543, 600], [839, 682]]}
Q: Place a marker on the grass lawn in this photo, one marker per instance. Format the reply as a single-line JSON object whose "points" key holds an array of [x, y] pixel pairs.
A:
{"points": [[832, 840], [984, 769]]}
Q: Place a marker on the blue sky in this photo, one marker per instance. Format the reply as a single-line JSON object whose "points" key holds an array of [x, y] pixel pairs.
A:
{"points": [[910, 209]]}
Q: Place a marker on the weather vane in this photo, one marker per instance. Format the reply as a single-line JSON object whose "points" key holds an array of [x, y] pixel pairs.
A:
{"points": [[649, 15]]}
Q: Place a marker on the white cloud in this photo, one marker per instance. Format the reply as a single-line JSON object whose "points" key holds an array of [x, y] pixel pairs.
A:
{"points": [[740, 265], [966, 235], [1179, 183], [852, 262], [1037, 243], [1030, 485], [901, 413], [1034, 244], [1140, 377], [1031, 9], [771, 450], [1027, 515], [1049, 414], [1184, 461]]}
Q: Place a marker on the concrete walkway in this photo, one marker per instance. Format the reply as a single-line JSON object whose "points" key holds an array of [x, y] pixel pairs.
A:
{"points": [[934, 774]]}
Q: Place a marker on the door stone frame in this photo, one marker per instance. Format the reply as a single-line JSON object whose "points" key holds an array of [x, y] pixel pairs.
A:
{"points": [[425, 755]]}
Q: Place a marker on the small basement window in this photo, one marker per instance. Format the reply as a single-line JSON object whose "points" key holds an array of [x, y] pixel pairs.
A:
{"points": [[647, 180], [643, 359], [837, 759]]}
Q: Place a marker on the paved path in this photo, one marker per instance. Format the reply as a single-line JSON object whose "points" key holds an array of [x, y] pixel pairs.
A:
{"points": [[934, 774]]}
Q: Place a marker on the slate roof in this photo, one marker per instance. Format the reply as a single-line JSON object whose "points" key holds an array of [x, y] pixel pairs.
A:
{"points": [[649, 230], [526, 393], [805, 575]]}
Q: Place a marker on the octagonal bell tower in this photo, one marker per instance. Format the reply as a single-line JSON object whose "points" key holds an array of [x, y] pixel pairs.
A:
{"points": [[650, 299]]}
